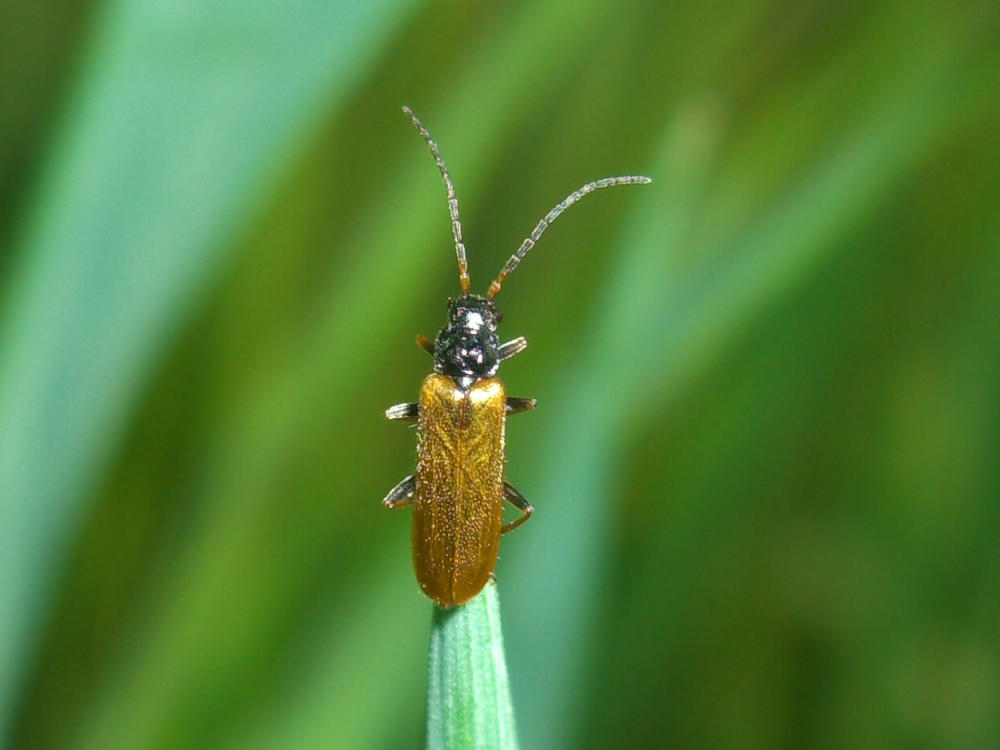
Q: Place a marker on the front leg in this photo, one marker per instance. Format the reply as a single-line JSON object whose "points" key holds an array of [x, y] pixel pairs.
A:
{"points": [[517, 404], [407, 412], [512, 347], [425, 343]]}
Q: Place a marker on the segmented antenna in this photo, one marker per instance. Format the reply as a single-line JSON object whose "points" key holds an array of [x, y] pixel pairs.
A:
{"points": [[456, 225], [551, 216]]}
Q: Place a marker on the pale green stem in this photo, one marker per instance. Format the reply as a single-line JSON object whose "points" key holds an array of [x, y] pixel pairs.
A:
{"points": [[468, 693]]}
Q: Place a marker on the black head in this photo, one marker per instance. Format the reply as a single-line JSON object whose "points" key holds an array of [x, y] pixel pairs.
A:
{"points": [[466, 349]]}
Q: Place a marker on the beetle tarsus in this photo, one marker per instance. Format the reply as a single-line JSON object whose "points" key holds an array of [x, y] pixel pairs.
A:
{"points": [[402, 411], [512, 347], [425, 343], [400, 495], [515, 498], [517, 404]]}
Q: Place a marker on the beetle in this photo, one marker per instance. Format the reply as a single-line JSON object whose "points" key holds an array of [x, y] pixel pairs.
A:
{"points": [[458, 488]]}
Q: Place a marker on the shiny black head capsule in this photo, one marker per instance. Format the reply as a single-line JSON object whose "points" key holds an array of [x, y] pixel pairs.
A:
{"points": [[467, 348]]}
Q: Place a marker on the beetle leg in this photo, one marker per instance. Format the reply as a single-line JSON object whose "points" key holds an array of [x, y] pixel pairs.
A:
{"points": [[400, 495], [425, 343], [401, 411], [515, 498], [517, 404], [512, 347]]}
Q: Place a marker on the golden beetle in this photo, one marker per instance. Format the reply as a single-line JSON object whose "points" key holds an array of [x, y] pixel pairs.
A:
{"points": [[458, 488]]}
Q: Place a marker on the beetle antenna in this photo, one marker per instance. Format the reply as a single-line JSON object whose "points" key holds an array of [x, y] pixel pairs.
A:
{"points": [[569, 200], [456, 225]]}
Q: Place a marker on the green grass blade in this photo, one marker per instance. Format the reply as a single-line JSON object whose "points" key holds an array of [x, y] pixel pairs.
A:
{"points": [[468, 693]]}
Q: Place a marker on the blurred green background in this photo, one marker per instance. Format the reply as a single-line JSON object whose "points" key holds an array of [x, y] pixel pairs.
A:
{"points": [[765, 460]]}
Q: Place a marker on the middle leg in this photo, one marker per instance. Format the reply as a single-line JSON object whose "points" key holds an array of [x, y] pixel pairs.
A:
{"points": [[401, 494]]}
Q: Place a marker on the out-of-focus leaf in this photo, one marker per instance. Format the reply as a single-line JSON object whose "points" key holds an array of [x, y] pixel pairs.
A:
{"points": [[659, 326], [288, 397], [763, 460], [182, 113]]}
